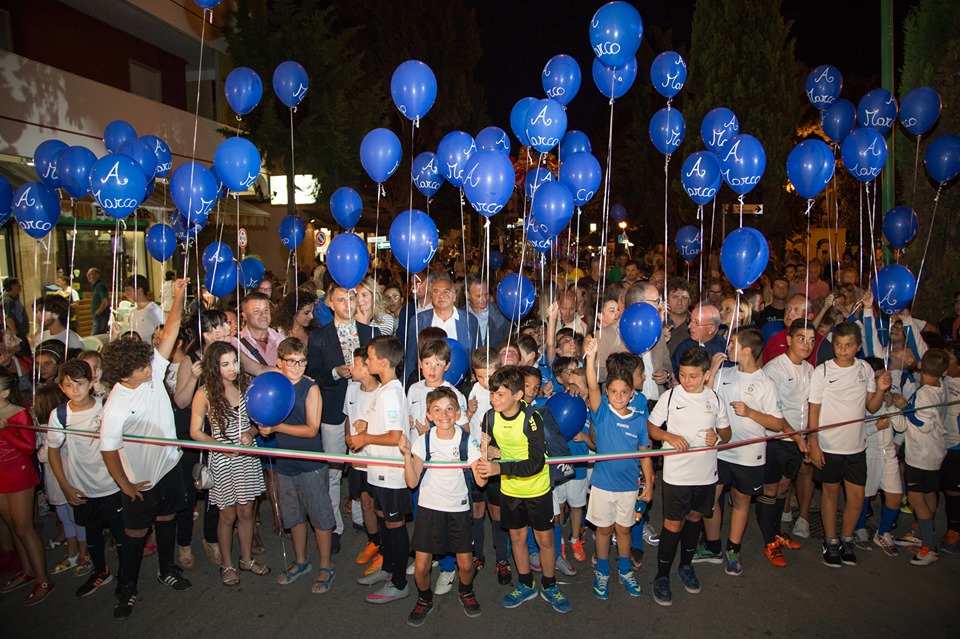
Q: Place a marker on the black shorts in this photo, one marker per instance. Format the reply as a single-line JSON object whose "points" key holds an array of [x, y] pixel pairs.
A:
{"points": [[438, 533], [783, 460], [167, 497], [679, 501], [98, 510], [837, 468], [396, 504], [357, 482], [950, 472], [519, 512], [921, 481], [490, 493], [748, 480]]}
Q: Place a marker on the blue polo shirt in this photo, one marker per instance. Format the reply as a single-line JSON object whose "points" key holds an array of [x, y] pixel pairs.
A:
{"points": [[618, 434]]}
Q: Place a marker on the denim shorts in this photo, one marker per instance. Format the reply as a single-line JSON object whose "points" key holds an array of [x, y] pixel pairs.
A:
{"points": [[306, 497]]}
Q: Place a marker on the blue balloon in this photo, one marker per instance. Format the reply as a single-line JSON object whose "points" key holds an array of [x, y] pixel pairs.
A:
{"points": [[517, 115], [553, 207], [701, 177], [118, 185], [183, 231], [920, 110], [45, 160], [380, 154], [864, 153], [877, 110], [838, 120], [453, 152], [238, 163], [900, 226], [290, 83], [536, 177], [270, 398], [744, 256], [151, 185], [251, 272], [346, 206], [581, 173], [141, 153], [894, 288], [539, 239], [546, 122], [689, 242], [493, 138], [116, 133], [193, 190], [667, 130], [216, 253], [810, 166], [36, 208], [496, 260], [561, 78], [743, 163], [942, 158], [459, 362], [614, 82], [414, 89], [6, 201], [207, 4], [222, 189], [414, 239], [426, 173], [570, 412], [616, 30], [640, 327], [164, 156], [618, 212], [668, 73], [244, 88], [292, 231], [161, 242], [348, 259], [73, 168], [516, 296], [489, 182], [823, 86], [717, 128], [574, 142]]}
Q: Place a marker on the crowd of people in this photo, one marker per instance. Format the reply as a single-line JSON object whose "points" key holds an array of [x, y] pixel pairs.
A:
{"points": [[818, 390]]}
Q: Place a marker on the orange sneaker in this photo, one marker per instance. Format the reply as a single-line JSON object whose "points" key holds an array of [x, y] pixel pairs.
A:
{"points": [[374, 566], [772, 552], [578, 552], [368, 552], [786, 541]]}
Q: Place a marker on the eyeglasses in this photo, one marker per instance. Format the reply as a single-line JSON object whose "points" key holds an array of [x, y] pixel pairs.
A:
{"points": [[393, 297], [296, 363], [443, 292]]}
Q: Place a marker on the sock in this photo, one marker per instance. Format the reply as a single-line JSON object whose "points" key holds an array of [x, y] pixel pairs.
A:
{"points": [[623, 565], [166, 543], [714, 546], [689, 537], [926, 533], [386, 547], [501, 541], [374, 538], [636, 535], [558, 539], [767, 517], [120, 536], [401, 544], [477, 533], [781, 504], [526, 578], [666, 552], [96, 547], [425, 595], [732, 546], [952, 506], [888, 517], [548, 582], [133, 552], [862, 522], [465, 589], [532, 546], [603, 566]]}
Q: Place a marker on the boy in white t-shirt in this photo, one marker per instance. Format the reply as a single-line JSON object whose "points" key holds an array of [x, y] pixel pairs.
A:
{"points": [[689, 493], [444, 511], [842, 391], [950, 468]]}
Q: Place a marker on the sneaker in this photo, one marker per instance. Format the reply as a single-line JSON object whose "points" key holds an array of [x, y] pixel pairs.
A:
{"points": [[174, 578], [445, 582], [636, 558], [847, 556], [909, 539], [886, 543], [600, 588], [650, 535], [478, 565], [924, 557], [565, 567], [556, 599], [861, 539], [630, 583], [950, 543], [689, 579], [419, 613], [504, 576], [732, 566], [704, 555], [387, 593], [661, 591], [413, 566], [831, 555], [91, 585], [518, 595], [786, 518], [376, 577], [905, 506], [374, 566], [579, 553], [368, 553], [535, 562], [772, 552], [801, 528], [786, 542], [471, 607], [126, 597]]}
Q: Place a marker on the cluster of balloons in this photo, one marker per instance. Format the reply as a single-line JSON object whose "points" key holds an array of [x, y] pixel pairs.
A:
{"points": [[616, 31]]}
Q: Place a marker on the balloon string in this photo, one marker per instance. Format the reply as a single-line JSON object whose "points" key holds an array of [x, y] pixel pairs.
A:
{"points": [[115, 277], [806, 282], [376, 241], [916, 167], [463, 235], [923, 260], [73, 257], [740, 200], [607, 179], [713, 219], [861, 231], [576, 257], [700, 278], [871, 216], [486, 282], [196, 113], [666, 224]]}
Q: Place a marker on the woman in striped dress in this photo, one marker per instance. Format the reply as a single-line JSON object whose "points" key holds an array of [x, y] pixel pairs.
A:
{"points": [[371, 307], [238, 478]]}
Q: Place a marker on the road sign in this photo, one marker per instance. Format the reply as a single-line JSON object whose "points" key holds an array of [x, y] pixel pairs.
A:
{"points": [[242, 238], [321, 238]]}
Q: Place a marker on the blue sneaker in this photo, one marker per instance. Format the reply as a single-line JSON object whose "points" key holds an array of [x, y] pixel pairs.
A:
{"points": [[518, 595], [557, 599], [733, 567], [600, 588], [689, 579], [661, 591], [630, 583]]}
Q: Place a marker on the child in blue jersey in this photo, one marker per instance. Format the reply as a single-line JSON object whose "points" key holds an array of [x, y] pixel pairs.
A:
{"points": [[617, 428]]}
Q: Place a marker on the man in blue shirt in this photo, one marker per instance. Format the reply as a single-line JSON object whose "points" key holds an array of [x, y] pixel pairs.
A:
{"points": [[704, 326]]}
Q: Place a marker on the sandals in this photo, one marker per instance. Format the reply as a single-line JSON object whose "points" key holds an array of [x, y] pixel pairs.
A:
{"points": [[10, 586], [53, 543], [38, 594], [68, 563], [293, 572], [255, 567], [185, 555], [321, 586], [229, 581]]}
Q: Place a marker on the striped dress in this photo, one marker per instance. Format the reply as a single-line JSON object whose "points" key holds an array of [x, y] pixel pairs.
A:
{"points": [[237, 480]]}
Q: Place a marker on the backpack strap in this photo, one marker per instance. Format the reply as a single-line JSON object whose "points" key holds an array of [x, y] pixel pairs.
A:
{"points": [[254, 353], [62, 414]]}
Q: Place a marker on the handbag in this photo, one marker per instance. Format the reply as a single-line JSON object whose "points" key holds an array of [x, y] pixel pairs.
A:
{"points": [[202, 477]]}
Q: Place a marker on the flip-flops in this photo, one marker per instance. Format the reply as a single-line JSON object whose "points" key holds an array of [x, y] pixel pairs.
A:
{"points": [[293, 572], [321, 586]]}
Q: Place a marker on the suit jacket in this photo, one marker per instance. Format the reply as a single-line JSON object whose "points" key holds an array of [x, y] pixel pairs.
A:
{"points": [[497, 328], [323, 355], [467, 331]]}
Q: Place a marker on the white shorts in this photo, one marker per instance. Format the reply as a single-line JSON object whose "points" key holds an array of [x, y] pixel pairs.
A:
{"points": [[572, 493], [607, 508], [883, 473]]}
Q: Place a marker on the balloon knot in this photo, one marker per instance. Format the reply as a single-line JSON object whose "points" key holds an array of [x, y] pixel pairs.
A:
{"points": [[611, 101], [293, 109], [416, 122], [739, 291]]}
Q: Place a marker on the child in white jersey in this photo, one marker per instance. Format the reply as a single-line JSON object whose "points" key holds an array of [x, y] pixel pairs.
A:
{"points": [[950, 468]]}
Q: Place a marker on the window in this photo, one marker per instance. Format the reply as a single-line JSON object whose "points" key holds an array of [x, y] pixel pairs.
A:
{"points": [[6, 31], [145, 81]]}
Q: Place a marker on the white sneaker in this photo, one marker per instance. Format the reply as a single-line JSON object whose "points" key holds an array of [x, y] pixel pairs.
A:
{"points": [[924, 557], [564, 566], [786, 517], [413, 566], [444, 583], [535, 562], [376, 577], [650, 535], [801, 528]]}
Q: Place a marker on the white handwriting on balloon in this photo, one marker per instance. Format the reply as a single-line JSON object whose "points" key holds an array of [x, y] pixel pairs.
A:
{"points": [[537, 141], [300, 92], [696, 170], [874, 119], [825, 75], [114, 173], [115, 203], [542, 117], [606, 48], [51, 172], [25, 199], [40, 225], [733, 152], [874, 149]]}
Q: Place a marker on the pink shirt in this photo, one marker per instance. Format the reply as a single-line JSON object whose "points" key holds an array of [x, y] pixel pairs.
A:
{"points": [[268, 352]]}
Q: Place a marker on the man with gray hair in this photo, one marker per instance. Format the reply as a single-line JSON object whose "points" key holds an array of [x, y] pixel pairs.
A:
{"points": [[656, 361], [492, 325], [704, 327], [456, 323]]}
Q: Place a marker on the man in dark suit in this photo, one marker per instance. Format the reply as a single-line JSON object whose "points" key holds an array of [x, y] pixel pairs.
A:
{"points": [[457, 323], [493, 325], [329, 349]]}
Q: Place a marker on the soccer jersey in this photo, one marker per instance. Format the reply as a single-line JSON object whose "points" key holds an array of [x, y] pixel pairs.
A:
{"points": [[757, 391], [417, 406], [923, 426], [691, 416], [445, 489], [386, 413], [482, 395], [522, 444], [842, 395], [617, 433], [793, 386], [951, 424], [84, 465], [355, 405]]}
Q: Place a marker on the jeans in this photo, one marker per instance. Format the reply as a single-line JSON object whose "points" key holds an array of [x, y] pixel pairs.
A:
{"points": [[334, 443]]}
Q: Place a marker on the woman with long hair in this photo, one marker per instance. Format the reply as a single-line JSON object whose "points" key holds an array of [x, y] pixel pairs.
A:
{"points": [[296, 315], [393, 301], [371, 307], [238, 478]]}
